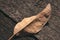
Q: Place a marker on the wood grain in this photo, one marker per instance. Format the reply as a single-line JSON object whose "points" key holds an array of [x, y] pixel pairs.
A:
{"points": [[9, 7]]}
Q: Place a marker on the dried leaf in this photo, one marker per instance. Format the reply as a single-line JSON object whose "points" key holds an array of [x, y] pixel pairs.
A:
{"points": [[19, 26], [40, 21], [35, 23]]}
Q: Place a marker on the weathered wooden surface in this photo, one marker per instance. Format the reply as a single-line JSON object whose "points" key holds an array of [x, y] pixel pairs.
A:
{"points": [[13, 11]]}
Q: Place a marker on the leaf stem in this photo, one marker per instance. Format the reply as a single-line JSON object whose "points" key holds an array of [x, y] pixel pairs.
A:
{"points": [[11, 37]]}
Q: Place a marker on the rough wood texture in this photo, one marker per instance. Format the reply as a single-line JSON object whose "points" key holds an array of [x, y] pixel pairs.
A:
{"points": [[26, 8], [34, 23]]}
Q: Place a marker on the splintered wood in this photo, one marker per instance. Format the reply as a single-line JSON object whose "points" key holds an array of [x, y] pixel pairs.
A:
{"points": [[34, 23]]}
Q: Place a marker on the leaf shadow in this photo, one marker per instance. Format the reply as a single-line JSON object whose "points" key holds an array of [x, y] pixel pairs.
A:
{"points": [[25, 35]]}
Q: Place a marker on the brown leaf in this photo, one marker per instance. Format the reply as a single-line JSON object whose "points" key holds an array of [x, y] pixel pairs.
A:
{"points": [[40, 21], [35, 23]]}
